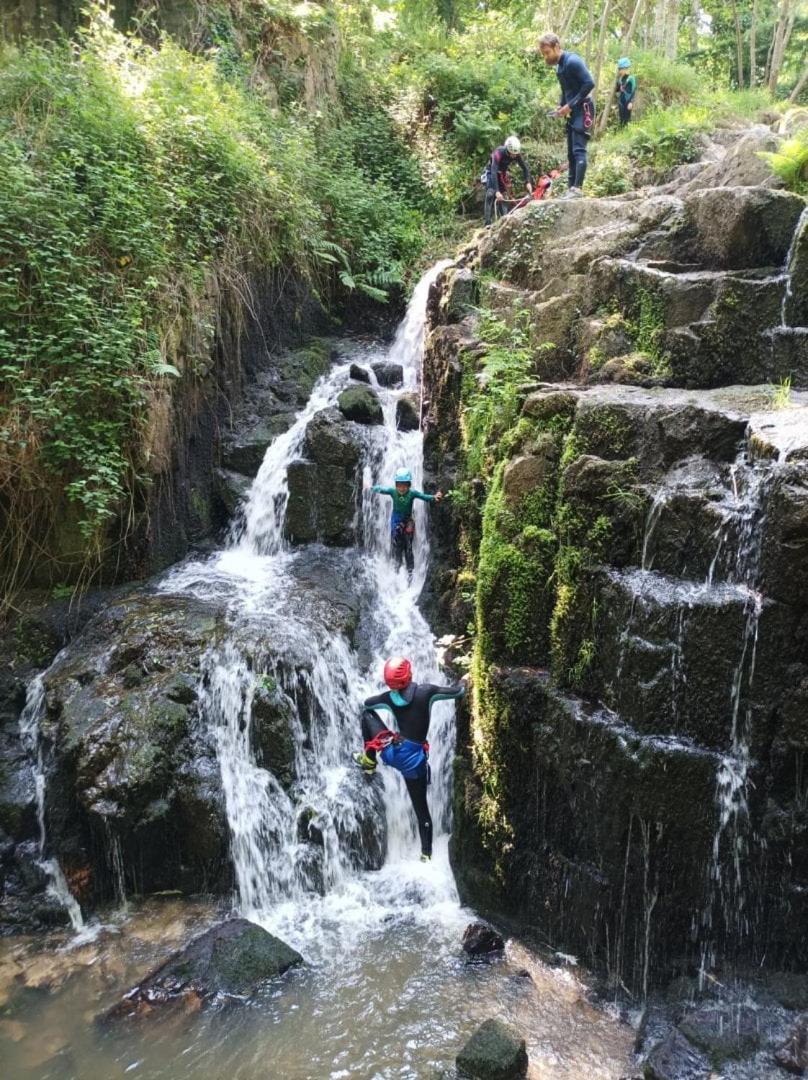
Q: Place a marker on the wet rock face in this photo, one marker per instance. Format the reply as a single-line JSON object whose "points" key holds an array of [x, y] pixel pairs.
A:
{"points": [[792, 1054], [723, 1033], [231, 960], [388, 374], [674, 1058], [128, 760], [324, 487], [494, 1052], [657, 584], [408, 412]]}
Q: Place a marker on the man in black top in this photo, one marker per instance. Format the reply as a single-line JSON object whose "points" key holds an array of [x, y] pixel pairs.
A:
{"points": [[577, 106], [406, 750], [498, 184]]}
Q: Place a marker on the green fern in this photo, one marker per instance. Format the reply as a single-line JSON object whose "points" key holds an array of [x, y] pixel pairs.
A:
{"points": [[790, 162]]}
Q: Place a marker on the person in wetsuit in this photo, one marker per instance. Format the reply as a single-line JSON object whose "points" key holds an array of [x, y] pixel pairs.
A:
{"points": [[402, 526], [577, 106], [406, 750], [497, 188]]}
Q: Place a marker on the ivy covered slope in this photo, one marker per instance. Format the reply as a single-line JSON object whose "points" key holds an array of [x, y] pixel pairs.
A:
{"points": [[163, 215], [592, 368]]}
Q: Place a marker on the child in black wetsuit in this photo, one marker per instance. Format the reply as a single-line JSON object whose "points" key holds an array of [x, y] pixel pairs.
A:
{"points": [[407, 749]]}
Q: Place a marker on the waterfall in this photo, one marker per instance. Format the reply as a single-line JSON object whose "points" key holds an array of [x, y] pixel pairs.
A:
{"points": [[791, 259], [277, 636], [749, 487], [30, 719]]}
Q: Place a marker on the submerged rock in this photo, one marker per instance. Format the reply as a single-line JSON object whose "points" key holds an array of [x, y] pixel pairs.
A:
{"points": [[676, 1059], [494, 1052], [792, 1055], [790, 988], [232, 959], [361, 404], [480, 939], [723, 1032]]}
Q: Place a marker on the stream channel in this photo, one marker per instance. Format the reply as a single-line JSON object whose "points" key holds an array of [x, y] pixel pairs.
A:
{"points": [[385, 990]]}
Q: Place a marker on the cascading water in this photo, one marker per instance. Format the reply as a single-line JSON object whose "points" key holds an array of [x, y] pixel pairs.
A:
{"points": [[30, 736], [731, 841], [274, 871], [322, 856]]}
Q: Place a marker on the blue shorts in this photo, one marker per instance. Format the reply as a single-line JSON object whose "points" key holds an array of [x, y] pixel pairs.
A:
{"points": [[408, 757]]}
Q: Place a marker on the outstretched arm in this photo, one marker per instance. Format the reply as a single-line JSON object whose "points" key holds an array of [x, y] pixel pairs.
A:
{"points": [[426, 496], [377, 489], [446, 693]]}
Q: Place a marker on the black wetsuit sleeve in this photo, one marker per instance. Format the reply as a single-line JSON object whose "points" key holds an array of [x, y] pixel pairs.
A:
{"points": [[525, 171], [378, 701], [445, 693], [578, 68]]}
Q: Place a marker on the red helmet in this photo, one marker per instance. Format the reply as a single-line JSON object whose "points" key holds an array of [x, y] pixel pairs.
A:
{"points": [[398, 673]]}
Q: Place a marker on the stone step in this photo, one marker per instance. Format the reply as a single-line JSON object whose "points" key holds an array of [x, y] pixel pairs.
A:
{"points": [[675, 656]]}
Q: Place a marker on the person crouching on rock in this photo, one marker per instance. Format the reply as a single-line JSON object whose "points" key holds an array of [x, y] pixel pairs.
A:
{"points": [[406, 750], [497, 177], [402, 526]]}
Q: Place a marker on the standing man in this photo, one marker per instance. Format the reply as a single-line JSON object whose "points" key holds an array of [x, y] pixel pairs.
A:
{"points": [[498, 186], [577, 106], [626, 89]]}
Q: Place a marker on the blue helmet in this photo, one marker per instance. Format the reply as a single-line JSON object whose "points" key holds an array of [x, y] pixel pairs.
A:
{"points": [[623, 63], [403, 476]]}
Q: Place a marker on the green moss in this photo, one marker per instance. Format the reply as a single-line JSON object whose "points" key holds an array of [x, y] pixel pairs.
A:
{"points": [[603, 431]]}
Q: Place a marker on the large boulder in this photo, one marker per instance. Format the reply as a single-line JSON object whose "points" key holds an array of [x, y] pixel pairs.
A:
{"points": [[230, 960], [408, 412], [324, 486], [358, 373], [740, 228], [129, 765], [361, 403], [387, 373], [244, 449], [723, 1032], [494, 1052]]}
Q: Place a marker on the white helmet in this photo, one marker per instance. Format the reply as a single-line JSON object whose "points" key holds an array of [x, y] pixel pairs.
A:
{"points": [[512, 145]]}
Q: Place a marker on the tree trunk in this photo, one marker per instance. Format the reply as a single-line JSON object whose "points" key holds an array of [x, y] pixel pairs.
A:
{"points": [[798, 89], [672, 29], [785, 24], [738, 42], [753, 47], [694, 27], [604, 21], [659, 24], [572, 11], [590, 30], [626, 45]]}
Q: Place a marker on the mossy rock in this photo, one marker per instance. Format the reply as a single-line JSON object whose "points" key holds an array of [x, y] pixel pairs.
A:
{"points": [[231, 959]]}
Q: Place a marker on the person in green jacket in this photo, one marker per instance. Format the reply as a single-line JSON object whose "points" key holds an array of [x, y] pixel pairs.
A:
{"points": [[626, 89], [402, 526]]}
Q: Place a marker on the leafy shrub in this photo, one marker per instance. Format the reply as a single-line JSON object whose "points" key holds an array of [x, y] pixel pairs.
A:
{"points": [[128, 174], [790, 162], [609, 174]]}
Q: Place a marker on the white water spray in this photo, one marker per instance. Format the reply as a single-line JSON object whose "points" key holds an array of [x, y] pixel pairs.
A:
{"points": [[30, 719]]}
